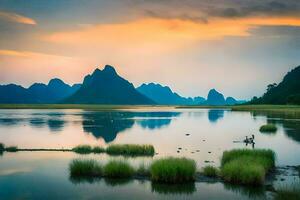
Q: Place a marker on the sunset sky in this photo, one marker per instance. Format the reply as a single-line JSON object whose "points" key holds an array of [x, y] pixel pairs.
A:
{"points": [[235, 46]]}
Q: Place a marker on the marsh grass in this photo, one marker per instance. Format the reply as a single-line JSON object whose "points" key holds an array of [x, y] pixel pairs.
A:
{"points": [[130, 150], [142, 170], [98, 149], [83, 149], [268, 128], [245, 166], [210, 171], [173, 170], [11, 149], [79, 167], [118, 169]]}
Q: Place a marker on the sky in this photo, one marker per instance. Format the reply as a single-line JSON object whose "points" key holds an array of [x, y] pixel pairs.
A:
{"points": [[235, 46]]}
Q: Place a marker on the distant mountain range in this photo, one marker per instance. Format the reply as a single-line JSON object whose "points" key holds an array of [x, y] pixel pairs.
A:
{"points": [[165, 96], [286, 92], [54, 92], [105, 87]]}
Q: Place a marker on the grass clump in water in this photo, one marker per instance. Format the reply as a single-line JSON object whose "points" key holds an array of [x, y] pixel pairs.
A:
{"points": [[83, 149], [79, 167], [98, 149], [118, 169], [173, 170], [143, 170], [130, 150], [11, 149], [268, 128], [245, 166], [210, 171]]}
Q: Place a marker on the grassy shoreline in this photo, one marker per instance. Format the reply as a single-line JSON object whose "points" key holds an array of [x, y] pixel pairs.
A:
{"points": [[120, 149], [280, 108]]}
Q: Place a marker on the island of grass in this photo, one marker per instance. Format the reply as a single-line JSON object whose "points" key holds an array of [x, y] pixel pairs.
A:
{"points": [[166, 170], [210, 171], [268, 128], [245, 166], [130, 150]]}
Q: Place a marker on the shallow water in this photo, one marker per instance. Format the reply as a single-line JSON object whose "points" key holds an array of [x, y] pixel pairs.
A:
{"points": [[202, 134]]}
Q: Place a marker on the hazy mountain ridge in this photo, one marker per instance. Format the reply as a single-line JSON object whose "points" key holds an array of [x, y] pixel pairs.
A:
{"points": [[107, 87], [286, 92], [165, 96], [56, 90]]}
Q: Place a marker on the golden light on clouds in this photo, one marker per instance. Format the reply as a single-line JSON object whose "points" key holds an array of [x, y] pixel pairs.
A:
{"points": [[13, 17]]}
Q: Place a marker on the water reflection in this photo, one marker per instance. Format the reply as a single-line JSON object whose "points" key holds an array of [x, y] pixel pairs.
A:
{"points": [[56, 125], [215, 114], [76, 180], [106, 124], [160, 188], [249, 191], [289, 122], [155, 120]]}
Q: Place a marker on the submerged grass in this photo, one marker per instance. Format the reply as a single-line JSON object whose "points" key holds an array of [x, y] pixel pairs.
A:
{"points": [[210, 171], [245, 166], [79, 167], [118, 169], [11, 149], [268, 128], [173, 170], [130, 150]]}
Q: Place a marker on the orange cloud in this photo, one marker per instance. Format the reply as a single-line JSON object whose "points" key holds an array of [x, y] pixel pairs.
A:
{"points": [[13, 17], [28, 54], [159, 34]]}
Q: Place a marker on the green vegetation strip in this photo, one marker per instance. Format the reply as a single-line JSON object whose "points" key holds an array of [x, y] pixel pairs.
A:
{"points": [[117, 149], [165, 170], [210, 171], [268, 128], [244, 166]]}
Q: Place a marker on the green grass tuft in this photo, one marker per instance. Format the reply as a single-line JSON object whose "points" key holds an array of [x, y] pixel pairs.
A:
{"points": [[79, 167], [268, 128], [11, 149], [98, 149], [245, 166], [210, 171], [143, 170], [173, 170], [118, 169], [83, 149], [130, 150]]}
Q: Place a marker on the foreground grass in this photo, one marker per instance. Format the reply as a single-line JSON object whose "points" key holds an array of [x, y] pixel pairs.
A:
{"points": [[79, 167], [130, 150], [244, 166], [210, 171], [118, 169], [268, 128], [173, 170]]}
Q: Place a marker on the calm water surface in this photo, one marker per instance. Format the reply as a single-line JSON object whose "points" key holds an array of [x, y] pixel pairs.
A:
{"points": [[202, 134]]}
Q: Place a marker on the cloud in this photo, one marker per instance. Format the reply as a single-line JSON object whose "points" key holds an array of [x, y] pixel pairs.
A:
{"points": [[28, 54], [13, 17]]}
